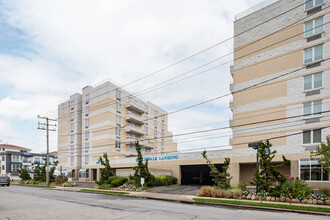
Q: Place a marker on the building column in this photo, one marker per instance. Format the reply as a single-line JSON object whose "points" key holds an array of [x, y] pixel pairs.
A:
{"points": [[98, 174], [294, 168], [234, 172]]}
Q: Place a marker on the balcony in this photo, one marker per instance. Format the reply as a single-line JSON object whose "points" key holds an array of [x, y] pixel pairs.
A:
{"points": [[130, 153], [230, 123], [135, 106], [232, 70], [130, 141], [231, 105], [146, 144], [134, 130], [134, 118], [231, 87]]}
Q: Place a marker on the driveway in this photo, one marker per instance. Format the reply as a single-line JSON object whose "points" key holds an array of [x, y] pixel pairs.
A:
{"points": [[191, 190]]}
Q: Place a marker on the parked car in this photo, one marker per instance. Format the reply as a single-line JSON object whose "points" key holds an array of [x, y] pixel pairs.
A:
{"points": [[4, 180]]}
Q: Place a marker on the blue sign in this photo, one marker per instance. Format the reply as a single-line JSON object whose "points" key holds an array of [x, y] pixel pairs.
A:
{"points": [[160, 158], [97, 162]]}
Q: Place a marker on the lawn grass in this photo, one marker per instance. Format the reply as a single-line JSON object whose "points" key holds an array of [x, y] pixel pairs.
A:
{"points": [[103, 191], [272, 205], [32, 185]]}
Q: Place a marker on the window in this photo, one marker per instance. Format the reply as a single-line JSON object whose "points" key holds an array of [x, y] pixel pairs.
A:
{"points": [[314, 27], [313, 108], [86, 110], [84, 173], [72, 160], [162, 145], [72, 127], [163, 118], [72, 138], [162, 135], [313, 81], [87, 123], [155, 151], [37, 160], [312, 3], [86, 159], [15, 167], [313, 54], [72, 104], [312, 136], [72, 116], [118, 107], [86, 147], [147, 109], [163, 127], [86, 135], [118, 120], [155, 114], [155, 143], [118, 94], [72, 149], [155, 133], [3, 158], [117, 145], [118, 132], [146, 129], [86, 98], [146, 119], [128, 147], [155, 123], [311, 170]]}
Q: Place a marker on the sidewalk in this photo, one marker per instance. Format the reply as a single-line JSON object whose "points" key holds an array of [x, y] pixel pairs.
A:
{"points": [[189, 199]]}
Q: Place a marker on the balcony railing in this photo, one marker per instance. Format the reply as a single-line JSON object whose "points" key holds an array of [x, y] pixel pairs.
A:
{"points": [[135, 106], [134, 130], [134, 118]]}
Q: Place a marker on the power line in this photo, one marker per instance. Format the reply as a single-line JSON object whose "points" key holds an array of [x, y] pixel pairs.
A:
{"points": [[209, 48]]}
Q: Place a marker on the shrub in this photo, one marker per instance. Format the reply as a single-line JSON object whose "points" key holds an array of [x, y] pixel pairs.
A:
{"points": [[105, 186], [119, 181], [165, 180], [242, 185], [295, 188], [69, 184], [217, 192], [325, 191], [205, 191], [112, 178], [61, 179]]}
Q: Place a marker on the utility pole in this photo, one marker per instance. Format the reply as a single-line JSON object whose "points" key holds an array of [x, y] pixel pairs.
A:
{"points": [[48, 127]]}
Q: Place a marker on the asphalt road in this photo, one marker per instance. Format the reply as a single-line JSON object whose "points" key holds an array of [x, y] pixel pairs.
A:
{"points": [[191, 190], [17, 202]]}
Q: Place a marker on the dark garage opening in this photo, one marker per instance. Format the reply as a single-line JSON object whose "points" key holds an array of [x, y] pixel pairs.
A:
{"points": [[197, 174]]}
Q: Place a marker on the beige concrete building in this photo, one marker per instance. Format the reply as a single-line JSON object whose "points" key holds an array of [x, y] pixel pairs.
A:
{"points": [[281, 92], [281, 87], [108, 119]]}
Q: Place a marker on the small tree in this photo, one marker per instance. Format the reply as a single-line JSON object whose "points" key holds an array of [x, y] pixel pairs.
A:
{"points": [[23, 173], [141, 170], [106, 172], [40, 172], [220, 179], [322, 154], [268, 172]]}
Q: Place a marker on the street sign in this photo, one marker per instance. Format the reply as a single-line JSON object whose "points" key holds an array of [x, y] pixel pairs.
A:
{"points": [[97, 162], [47, 169], [142, 181]]}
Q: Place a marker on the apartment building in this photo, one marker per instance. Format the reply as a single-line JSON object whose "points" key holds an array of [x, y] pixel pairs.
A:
{"points": [[281, 83], [12, 157], [106, 118]]}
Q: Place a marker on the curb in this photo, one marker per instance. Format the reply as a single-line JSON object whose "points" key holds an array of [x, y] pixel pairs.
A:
{"points": [[250, 207], [261, 208]]}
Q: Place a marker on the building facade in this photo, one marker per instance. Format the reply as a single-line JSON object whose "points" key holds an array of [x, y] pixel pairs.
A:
{"points": [[281, 82], [12, 157], [108, 119]]}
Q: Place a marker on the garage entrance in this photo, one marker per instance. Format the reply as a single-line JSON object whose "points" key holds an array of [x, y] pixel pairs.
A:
{"points": [[197, 174]]}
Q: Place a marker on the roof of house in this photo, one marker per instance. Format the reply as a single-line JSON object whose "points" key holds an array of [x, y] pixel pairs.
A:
{"points": [[13, 146], [54, 152]]}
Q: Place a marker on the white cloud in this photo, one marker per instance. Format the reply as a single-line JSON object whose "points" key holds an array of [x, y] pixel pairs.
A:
{"points": [[74, 43]]}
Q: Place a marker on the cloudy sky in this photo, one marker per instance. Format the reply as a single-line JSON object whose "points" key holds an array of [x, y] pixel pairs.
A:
{"points": [[51, 49]]}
